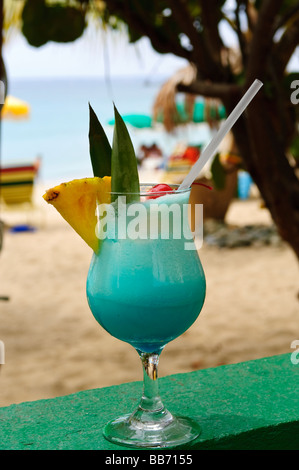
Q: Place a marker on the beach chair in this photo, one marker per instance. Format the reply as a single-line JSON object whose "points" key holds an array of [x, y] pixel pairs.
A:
{"points": [[17, 182], [17, 190]]}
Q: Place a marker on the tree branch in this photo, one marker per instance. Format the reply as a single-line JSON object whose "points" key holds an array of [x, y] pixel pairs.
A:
{"points": [[288, 15], [162, 39], [212, 40], [142, 24], [241, 38], [251, 14], [285, 48], [262, 40], [212, 89], [185, 22]]}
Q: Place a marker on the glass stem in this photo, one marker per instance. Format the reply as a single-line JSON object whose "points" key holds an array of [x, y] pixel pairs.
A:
{"points": [[150, 400], [151, 411]]}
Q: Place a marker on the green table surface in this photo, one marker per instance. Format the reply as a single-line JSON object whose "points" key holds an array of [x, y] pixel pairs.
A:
{"points": [[250, 405]]}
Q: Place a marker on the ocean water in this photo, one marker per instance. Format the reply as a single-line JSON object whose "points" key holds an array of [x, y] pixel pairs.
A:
{"points": [[57, 129]]}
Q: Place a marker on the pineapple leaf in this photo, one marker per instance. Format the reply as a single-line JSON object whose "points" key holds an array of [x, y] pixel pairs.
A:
{"points": [[124, 172], [99, 147]]}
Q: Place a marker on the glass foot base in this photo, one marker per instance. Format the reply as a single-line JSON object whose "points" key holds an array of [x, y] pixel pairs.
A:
{"points": [[173, 432]]}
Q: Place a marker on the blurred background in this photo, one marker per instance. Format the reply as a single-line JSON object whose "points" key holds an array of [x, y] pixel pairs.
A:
{"points": [[174, 70]]}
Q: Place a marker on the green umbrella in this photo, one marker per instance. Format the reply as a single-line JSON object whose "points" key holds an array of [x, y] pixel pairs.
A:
{"points": [[199, 113], [136, 120]]}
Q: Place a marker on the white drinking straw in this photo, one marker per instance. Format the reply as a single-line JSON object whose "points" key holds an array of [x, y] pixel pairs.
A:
{"points": [[211, 148]]}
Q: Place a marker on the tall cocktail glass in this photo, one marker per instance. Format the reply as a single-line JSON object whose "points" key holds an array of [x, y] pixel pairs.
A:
{"points": [[146, 286]]}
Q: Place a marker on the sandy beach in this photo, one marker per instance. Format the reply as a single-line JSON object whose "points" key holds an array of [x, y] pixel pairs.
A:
{"points": [[53, 345]]}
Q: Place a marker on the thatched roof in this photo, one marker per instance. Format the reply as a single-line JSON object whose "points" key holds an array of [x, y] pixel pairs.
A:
{"points": [[165, 105], [165, 102]]}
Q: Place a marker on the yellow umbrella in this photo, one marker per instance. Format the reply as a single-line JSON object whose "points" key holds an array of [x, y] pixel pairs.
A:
{"points": [[14, 108]]}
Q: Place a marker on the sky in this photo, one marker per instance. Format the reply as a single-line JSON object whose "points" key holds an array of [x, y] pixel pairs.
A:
{"points": [[94, 54]]}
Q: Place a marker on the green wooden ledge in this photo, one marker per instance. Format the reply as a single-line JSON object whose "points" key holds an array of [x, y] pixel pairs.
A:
{"points": [[250, 405]]}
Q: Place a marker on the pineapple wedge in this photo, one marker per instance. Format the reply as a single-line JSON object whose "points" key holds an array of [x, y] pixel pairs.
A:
{"points": [[76, 202]]}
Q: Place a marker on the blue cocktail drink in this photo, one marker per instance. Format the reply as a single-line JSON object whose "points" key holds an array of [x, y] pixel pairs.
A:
{"points": [[146, 286], [147, 291]]}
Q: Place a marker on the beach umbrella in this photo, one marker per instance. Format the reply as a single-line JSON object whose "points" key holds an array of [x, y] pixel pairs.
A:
{"points": [[203, 110], [168, 110], [15, 108], [139, 121]]}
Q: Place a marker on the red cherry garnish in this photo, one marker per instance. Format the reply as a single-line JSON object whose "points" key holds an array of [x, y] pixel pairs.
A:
{"points": [[159, 188], [163, 188]]}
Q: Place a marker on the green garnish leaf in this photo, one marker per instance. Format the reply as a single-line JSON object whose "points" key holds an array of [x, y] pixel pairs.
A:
{"points": [[99, 147], [124, 172]]}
